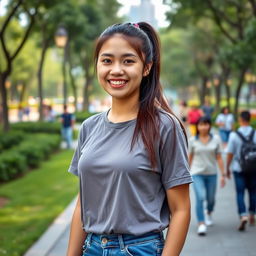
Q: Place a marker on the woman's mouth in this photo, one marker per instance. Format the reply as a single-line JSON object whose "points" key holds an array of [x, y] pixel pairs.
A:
{"points": [[117, 83]]}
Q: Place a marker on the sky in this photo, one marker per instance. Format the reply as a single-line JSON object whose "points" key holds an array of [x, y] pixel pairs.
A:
{"points": [[159, 11]]}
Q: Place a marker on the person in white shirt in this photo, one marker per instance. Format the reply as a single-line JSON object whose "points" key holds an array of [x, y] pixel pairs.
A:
{"points": [[225, 121], [205, 160]]}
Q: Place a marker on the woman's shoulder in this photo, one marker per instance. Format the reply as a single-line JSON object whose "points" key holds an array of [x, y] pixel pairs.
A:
{"points": [[168, 120], [93, 120]]}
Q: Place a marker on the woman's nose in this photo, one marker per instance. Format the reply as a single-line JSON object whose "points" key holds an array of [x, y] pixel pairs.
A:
{"points": [[116, 69]]}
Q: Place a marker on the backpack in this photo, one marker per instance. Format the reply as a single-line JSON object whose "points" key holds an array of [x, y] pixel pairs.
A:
{"points": [[247, 153]]}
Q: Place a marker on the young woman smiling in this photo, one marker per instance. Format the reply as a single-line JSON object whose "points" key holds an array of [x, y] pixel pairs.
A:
{"points": [[132, 159]]}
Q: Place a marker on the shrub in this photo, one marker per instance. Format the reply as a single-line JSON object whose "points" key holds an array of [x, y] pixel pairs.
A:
{"points": [[12, 138], [28, 153], [37, 127], [12, 163]]}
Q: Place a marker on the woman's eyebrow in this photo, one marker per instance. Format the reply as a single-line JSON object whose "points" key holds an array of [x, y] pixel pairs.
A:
{"points": [[124, 55]]}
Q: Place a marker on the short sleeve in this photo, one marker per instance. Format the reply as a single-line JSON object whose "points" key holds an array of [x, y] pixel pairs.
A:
{"points": [[218, 119], [218, 145], [231, 143], [73, 168], [191, 146], [174, 156]]}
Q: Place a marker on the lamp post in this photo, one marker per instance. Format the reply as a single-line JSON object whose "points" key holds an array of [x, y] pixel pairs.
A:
{"points": [[61, 40]]}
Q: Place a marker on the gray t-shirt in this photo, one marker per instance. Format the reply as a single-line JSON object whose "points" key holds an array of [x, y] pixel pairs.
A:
{"points": [[204, 155], [120, 193], [235, 144]]}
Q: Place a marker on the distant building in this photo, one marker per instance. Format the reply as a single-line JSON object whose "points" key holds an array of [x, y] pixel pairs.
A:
{"points": [[143, 12]]}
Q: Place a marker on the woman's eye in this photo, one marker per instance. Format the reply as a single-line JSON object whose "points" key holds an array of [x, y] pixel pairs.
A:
{"points": [[107, 61], [129, 61]]}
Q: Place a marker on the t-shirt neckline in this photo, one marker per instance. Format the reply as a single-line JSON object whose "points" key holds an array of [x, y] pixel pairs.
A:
{"points": [[119, 124]]}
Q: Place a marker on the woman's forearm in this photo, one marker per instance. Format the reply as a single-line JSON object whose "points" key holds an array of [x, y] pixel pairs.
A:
{"points": [[77, 234], [177, 232]]}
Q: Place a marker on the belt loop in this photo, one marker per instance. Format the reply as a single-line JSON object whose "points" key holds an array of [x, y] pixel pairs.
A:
{"points": [[121, 242], [89, 238]]}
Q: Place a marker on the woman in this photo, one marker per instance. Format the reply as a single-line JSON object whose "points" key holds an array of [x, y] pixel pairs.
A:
{"points": [[131, 160], [225, 121], [204, 159]]}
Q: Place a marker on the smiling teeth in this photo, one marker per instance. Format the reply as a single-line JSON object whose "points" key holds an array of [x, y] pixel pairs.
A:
{"points": [[117, 82]]}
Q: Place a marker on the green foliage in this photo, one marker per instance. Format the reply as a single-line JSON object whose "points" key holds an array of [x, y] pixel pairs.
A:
{"points": [[10, 139], [30, 153], [35, 127]]}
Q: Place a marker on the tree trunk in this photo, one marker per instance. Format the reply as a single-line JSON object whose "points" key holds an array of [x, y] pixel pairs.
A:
{"points": [[86, 93], [203, 90], [217, 89], [72, 78], [45, 45], [22, 93], [3, 77], [238, 90]]}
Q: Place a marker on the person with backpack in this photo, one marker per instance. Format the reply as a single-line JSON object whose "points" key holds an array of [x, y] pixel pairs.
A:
{"points": [[241, 160]]}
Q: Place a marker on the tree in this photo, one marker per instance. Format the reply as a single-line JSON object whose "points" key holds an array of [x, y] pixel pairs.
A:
{"points": [[15, 7], [232, 19]]}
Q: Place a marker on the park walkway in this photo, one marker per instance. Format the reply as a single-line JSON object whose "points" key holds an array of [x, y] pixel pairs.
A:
{"points": [[222, 239]]}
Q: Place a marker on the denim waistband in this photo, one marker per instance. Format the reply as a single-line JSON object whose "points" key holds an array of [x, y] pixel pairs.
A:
{"points": [[118, 240]]}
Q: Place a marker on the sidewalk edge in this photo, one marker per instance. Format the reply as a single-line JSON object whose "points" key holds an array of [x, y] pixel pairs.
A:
{"points": [[44, 244]]}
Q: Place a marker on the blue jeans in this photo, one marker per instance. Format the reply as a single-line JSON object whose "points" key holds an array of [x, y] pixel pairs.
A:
{"points": [[120, 245], [205, 190], [67, 134], [224, 135], [241, 184]]}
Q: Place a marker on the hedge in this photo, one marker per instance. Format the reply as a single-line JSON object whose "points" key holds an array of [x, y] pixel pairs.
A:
{"points": [[10, 139], [28, 153], [37, 127]]}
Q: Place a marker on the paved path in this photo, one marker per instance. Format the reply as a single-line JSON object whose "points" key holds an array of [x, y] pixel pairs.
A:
{"points": [[222, 239]]}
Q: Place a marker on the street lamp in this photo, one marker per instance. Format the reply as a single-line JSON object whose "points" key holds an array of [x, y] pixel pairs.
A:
{"points": [[61, 40]]}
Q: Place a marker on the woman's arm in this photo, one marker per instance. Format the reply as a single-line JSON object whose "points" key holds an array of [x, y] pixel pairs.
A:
{"points": [[222, 170], [179, 205], [77, 234]]}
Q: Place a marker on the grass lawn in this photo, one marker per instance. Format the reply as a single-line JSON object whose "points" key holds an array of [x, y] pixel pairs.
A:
{"points": [[34, 201]]}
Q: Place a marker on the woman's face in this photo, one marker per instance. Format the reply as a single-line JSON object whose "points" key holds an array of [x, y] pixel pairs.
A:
{"points": [[203, 128], [119, 68], [226, 111]]}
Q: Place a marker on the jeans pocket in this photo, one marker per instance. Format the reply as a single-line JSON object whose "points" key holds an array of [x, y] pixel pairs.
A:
{"points": [[147, 248]]}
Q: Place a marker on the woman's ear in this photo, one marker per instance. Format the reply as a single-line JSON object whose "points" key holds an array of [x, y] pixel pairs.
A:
{"points": [[147, 68]]}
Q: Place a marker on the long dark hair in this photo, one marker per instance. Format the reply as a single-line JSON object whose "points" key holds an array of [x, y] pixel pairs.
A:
{"points": [[143, 38]]}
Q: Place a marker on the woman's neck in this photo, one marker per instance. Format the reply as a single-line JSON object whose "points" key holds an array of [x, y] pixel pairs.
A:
{"points": [[122, 111], [204, 135]]}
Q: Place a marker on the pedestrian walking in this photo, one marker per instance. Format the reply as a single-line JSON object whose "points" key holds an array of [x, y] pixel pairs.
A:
{"points": [[225, 121], [207, 109], [194, 115], [205, 161], [68, 121], [132, 158], [20, 113], [241, 161]]}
